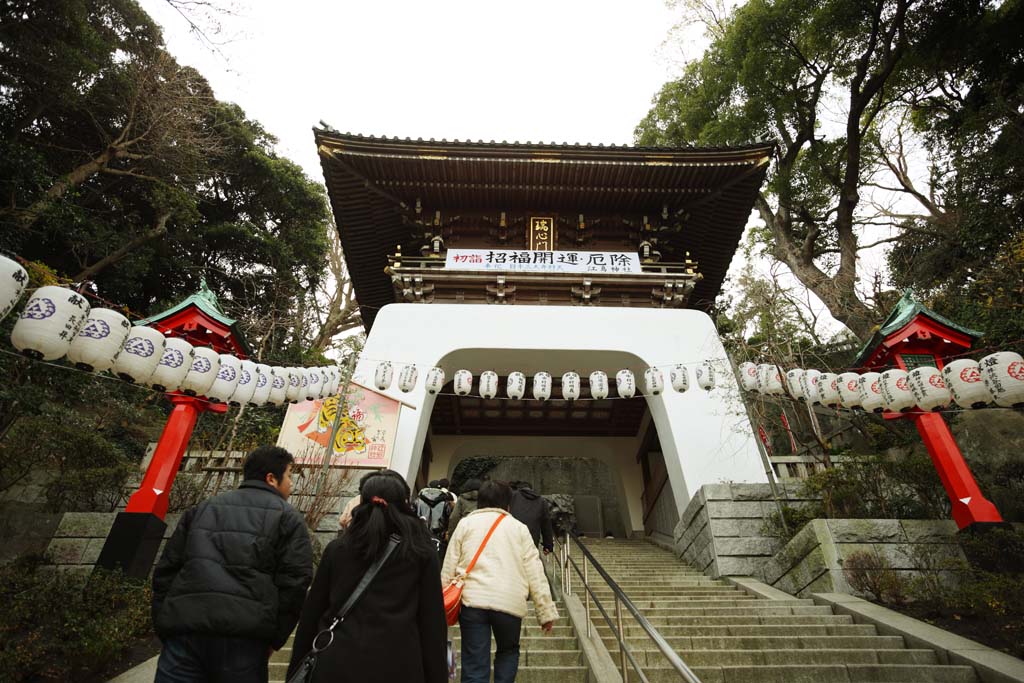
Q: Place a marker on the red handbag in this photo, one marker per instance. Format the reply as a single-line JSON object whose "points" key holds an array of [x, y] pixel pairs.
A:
{"points": [[453, 591]]}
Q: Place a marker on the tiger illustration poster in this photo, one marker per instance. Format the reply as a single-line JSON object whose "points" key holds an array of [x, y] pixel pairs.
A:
{"points": [[366, 429]]}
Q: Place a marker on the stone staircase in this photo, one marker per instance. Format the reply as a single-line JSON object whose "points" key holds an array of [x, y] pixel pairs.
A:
{"points": [[729, 636], [543, 658]]}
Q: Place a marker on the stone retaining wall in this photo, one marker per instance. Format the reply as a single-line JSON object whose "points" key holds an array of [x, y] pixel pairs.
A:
{"points": [[80, 536], [812, 561], [721, 531]]}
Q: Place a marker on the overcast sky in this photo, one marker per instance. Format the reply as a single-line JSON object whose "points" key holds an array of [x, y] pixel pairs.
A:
{"points": [[538, 70], [533, 70]]}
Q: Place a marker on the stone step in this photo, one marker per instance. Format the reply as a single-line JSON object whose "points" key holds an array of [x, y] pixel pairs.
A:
{"points": [[758, 630], [791, 642], [648, 609], [696, 658], [816, 673]]}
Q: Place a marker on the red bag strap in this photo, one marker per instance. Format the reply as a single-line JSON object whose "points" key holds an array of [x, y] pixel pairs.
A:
{"points": [[486, 538]]}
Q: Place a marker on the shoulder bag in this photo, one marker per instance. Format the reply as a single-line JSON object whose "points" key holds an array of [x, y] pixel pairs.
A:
{"points": [[453, 591], [304, 671]]}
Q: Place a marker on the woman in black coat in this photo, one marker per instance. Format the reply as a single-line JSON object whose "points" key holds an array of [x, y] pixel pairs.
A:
{"points": [[397, 630]]}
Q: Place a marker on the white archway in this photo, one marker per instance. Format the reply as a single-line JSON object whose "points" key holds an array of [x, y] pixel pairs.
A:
{"points": [[705, 435]]}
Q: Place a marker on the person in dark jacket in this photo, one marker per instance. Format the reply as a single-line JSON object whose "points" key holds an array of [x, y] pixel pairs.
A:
{"points": [[532, 510], [464, 505], [229, 586], [397, 629]]}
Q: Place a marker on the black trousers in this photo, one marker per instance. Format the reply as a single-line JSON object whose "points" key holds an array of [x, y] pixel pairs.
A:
{"points": [[198, 658]]}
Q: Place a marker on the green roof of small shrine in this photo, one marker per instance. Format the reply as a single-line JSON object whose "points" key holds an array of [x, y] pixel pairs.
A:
{"points": [[206, 301], [900, 316]]}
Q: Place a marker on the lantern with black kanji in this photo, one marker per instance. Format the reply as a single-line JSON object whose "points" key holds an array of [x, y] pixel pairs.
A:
{"points": [[515, 386], [13, 281], [174, 366], [598, 384], [49, 323], [140, 354]]}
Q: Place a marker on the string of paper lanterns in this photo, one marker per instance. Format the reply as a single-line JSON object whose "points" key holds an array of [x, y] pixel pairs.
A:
{"points": [[542, 383], [997, 378], [58, 322]]}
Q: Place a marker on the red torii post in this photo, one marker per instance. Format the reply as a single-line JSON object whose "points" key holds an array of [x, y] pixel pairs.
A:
{"points": [[915, 336], [134, 539]]}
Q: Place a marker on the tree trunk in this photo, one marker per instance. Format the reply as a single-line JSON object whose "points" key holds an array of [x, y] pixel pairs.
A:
{"points": [[159, 229], [26, 218]]}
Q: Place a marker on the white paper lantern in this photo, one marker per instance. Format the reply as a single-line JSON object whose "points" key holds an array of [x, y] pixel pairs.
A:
{"points": [[228, 376], [964, 381], [896, 394], [769, 380], [654, 381], [1003, 374], [303, 383], [407, 378], [870, 388], [383, 375], [13, 280], [140, 354], [598, 385], [279, 377], [625, 383], [571, 386], [293, 391], [462, 382], [203, 373], [488, 384], [434, 381], [679, 378], [174, 366], [828, 389], [849, 390], [705, 374], [793, 383], [809, 386], [542, 386], [929, 389], [49, 322], [335, 381], [248, 377], [748, 376], [264, 382], [325, 383], [97, 344], [515, 386], [312, 384]]}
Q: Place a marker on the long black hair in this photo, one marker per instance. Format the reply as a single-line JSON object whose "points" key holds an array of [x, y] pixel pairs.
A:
{"points": [[385, 509]]}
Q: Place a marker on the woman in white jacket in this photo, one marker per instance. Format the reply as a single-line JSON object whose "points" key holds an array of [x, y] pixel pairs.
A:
{"points": [[494, 594]]}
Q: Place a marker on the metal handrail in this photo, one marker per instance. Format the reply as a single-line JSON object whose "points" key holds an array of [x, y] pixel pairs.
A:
{"points": [[677, 663]]}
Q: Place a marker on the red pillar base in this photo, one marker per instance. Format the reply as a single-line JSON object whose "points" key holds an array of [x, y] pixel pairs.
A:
{"points": [[970, 507], [154, 492], [134, 540]]}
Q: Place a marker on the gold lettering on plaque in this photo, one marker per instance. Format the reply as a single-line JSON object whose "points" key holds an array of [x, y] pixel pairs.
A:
{"points": [[542, 233]]}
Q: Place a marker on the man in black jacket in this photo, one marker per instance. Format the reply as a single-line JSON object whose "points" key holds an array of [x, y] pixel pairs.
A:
{"points": [[532, 510], [229, 587]]}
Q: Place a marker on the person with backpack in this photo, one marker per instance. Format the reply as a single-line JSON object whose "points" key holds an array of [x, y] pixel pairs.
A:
{"points": [[396, 629], [433, 505], [507, 570], [464, 505]]}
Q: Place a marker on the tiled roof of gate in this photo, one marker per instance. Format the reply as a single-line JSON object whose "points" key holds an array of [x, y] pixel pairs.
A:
{"points": [[374, 181]]}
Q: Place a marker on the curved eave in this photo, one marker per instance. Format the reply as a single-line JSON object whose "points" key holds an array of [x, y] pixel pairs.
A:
{"points": [[372, 182]]}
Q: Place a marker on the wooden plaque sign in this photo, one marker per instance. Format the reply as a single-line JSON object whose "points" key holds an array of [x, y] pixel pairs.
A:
{"points": [[542, 233]]}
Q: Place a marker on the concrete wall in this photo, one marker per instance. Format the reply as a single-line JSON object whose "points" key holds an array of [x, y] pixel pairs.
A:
{"points": [[80, 536], [812, 561], [600, 466], [663, 518], [721, 531], [705, 435]]}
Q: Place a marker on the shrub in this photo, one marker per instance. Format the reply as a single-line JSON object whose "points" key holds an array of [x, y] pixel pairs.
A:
{"points": [[55, 626], [797, 517], [871, 573]]}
